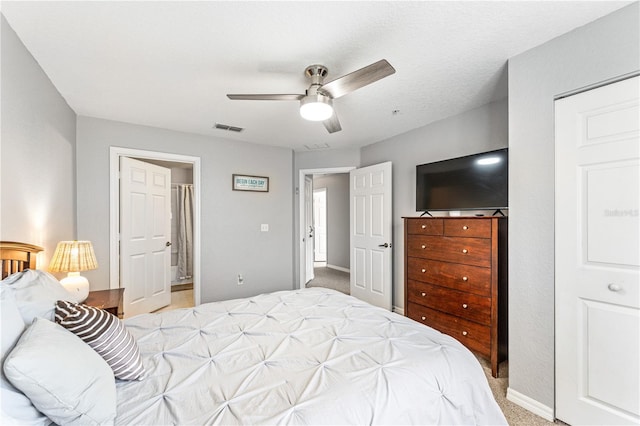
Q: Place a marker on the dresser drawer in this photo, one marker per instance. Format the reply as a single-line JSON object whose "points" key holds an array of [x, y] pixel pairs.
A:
{"points": [[465, 227], [466, 305], [468, 251], [425, 226], [473, 279], [473, 335]]}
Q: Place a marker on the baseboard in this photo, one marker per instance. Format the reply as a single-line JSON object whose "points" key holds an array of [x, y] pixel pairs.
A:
{"points": [[399, 311], [530, 404], [339, 268]]}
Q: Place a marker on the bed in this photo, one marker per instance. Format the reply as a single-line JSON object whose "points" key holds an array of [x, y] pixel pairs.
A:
{"points": [[14, 257], [311, 356]]}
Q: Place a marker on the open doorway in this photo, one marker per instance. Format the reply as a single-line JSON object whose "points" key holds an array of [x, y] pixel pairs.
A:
{"points": [[182, 200], [329, 252], [185, 172]]}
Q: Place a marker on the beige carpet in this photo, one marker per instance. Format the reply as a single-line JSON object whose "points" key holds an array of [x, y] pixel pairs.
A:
{"points": [[330, 278]]}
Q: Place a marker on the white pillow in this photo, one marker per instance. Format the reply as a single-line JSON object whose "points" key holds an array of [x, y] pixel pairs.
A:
{"points": [[62, 376], [15, 407], [36, 293]]}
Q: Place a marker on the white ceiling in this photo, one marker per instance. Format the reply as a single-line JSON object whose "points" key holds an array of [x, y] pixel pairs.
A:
{"points": [[171, 64]]}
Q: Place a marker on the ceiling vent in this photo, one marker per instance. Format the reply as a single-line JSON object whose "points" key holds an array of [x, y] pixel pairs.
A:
{"points": [[317, 146], [228, 128]]}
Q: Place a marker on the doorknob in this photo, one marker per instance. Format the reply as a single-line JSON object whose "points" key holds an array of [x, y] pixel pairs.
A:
{"points": [[385, 245], [168, 243]]}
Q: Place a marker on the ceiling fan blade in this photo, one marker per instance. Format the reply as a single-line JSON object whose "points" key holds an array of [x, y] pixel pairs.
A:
{"points": [[332, 124], [266, 97], [357, 79]]}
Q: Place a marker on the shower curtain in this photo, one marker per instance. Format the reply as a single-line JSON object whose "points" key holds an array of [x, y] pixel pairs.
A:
{"points": [[185, 231]]}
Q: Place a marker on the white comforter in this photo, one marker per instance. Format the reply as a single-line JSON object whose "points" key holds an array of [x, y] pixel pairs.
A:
{"points": [[312, 356]]}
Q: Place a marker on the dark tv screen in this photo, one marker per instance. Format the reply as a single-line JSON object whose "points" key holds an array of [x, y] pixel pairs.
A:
{"points": [[474, 182]]}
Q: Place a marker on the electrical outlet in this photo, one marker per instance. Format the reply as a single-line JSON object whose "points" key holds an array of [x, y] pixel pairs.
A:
{"points": [[264, 227], [240, 279]]}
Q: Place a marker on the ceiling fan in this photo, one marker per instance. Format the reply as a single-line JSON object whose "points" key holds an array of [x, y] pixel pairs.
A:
{"points": [[316, 104]]}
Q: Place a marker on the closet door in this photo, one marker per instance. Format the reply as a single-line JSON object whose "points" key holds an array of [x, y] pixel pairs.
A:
{"points": [[597, 256]]}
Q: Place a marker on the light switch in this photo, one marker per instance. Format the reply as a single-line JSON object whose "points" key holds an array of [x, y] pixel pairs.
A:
{"points": [[264, 227]]}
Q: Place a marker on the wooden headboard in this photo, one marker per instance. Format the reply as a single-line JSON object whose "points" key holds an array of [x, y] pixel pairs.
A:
{"points": [[15, 257]]}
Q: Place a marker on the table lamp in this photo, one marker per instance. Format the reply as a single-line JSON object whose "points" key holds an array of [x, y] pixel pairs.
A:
{"points": [[74, 257]]}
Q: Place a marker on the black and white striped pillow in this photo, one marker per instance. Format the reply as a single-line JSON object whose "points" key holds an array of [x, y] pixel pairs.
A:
{"points": [[106, 334]]}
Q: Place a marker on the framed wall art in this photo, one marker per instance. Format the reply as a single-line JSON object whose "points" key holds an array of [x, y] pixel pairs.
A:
{"points": [[250, 183]]}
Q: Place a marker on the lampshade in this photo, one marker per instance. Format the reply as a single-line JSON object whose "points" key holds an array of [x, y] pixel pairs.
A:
{"points": [[316, 107], [73, 257]]}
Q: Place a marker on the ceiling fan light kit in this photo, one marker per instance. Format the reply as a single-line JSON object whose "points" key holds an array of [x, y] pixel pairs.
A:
{"points": [[317, 102], [316, 107]]}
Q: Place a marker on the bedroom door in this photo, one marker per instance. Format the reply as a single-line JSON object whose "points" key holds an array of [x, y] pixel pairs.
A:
{"points": [[145, 236], [371, 234], [597, 256]]}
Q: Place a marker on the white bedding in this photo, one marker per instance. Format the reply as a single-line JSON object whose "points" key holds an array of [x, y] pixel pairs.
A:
{"points": [[312, 356]]}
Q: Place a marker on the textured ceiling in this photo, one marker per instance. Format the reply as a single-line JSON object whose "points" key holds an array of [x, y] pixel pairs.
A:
{"points": [[171, 64]]}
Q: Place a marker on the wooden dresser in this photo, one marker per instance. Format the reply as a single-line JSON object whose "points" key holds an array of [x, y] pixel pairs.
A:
{"points": [[456, 280]]}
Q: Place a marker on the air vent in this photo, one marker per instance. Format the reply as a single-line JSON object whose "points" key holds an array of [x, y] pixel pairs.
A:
{"points": [[228, 128], [317, 146]]}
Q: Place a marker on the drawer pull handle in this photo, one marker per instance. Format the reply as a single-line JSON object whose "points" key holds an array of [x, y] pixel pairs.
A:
{"points": [[424, 247], [423, 294], [614, 287], [464, 333], [465, 278], [424, 270], [424, 226], [424, 318], [465, 306], [465, 227], [465, 251]]}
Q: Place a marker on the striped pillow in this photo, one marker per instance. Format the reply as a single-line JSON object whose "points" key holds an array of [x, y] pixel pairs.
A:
{"points": [[106, 334]]}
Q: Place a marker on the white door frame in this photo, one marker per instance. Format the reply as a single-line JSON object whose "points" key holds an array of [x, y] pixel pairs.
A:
{"points": [[114, 209], [301, 231], [309, 233]]}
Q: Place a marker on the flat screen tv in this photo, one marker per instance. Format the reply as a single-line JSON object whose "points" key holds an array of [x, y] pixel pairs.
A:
{"points": [[474, 182]]}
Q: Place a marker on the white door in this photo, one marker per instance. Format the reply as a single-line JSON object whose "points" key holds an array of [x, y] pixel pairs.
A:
{"points": [[371, 226], [320, 224], [308, 234], [145, 232], [597, 227]]}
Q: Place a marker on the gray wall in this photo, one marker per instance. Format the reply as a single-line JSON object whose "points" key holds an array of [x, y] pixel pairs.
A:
{"points": [[601, 50], [231, 239], [478, 130], [326, 158], [337, 217], [38, 189]]}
